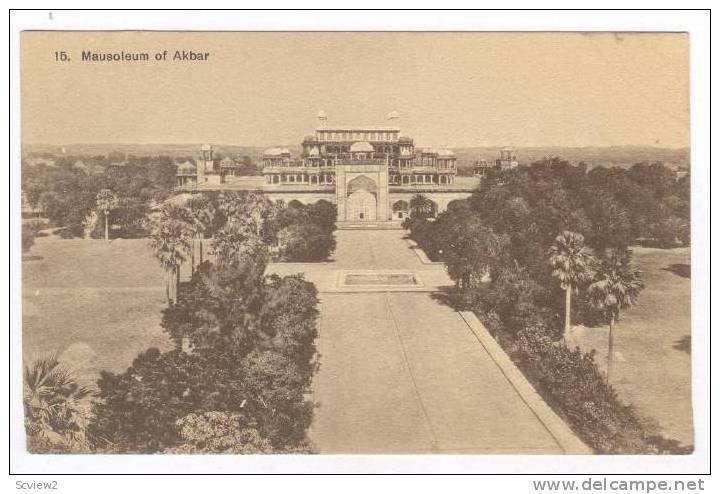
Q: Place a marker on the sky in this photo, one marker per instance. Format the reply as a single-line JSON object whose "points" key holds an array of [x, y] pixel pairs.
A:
{"points": [[450, 89]]}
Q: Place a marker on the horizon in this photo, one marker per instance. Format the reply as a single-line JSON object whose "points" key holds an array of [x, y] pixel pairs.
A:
{"points": [[225, 144]]}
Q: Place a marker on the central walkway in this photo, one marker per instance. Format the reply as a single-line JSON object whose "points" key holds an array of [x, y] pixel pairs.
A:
{"points": [[402, 372]]}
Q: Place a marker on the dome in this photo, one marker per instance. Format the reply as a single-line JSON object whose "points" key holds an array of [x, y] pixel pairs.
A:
{"points": [[362, 147]]}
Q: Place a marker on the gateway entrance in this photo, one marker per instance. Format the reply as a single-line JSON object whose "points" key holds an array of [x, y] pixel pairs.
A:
{"points": [[361, 186], [361, 206]]}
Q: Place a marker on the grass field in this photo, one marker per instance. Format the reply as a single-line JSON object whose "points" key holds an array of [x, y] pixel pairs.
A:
{"points": [[651, 362], [96, 304]]}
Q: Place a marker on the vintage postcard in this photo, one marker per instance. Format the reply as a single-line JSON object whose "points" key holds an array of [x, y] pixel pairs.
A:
{"points": [[283, 243]]}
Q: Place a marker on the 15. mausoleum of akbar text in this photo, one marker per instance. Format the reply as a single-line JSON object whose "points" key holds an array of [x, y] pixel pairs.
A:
{"points": [[369, 172]]}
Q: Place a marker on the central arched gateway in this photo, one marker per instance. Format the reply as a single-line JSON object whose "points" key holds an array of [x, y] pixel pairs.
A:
{"points": [[361, 206], [362, 189]]}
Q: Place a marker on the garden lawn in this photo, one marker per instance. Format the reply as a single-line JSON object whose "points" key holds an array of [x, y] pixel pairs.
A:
{"points": [[96, 303], [651, 365]]}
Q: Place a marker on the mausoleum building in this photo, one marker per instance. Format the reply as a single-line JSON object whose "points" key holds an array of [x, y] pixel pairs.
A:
{"points": [[369, 172]]}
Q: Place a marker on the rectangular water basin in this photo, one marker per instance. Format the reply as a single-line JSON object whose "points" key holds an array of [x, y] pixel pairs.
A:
{"points": [[381, 279]]}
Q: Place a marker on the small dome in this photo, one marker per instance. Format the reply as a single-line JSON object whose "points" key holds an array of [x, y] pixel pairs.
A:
{"points": [[314, 151], [322, 115], [206, 147], [227, 161], [362, 147], [446, 153]]}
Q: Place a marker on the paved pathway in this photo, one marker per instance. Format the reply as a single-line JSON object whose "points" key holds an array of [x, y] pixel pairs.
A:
{"points": [[403, 373]]}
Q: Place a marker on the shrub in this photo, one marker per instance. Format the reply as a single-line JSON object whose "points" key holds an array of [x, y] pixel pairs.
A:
{"points": [[218, 432], [303, 243], [570, 382], [302, 233], [671, 231]]}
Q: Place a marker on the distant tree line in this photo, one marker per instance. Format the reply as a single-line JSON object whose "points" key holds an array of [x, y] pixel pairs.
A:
{"points": [[120, 192], [537, 244], [67, 192]]}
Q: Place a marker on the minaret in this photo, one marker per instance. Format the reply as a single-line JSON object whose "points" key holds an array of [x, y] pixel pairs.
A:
{"points": [[205, 163], [322, 118]]}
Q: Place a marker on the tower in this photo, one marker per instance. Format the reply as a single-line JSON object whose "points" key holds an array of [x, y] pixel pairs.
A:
{"points": [[205, 163], [508, 158]]}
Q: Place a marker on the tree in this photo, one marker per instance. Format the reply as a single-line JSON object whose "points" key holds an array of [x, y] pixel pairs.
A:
{"points": [[67, 195], [572, 264], [245, 211], [610, 225], [203, 213], [617, 286], [220, 305], [305, 242], [171, 241], [656, 177], [421, 207], [55, 407], [323, 214], [473, 252], [136, 410], [106, 201]]}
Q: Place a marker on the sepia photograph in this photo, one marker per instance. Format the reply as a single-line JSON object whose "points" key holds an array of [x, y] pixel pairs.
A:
{"points": [[356, 243]]}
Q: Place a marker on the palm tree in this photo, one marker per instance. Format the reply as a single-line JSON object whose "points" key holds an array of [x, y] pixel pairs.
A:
{"points": [[55, 405], [171, 240], [106, 201], [421, 206], [203, 213], [572, 264], [245, 212], [617, 286], [257, 207]]}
